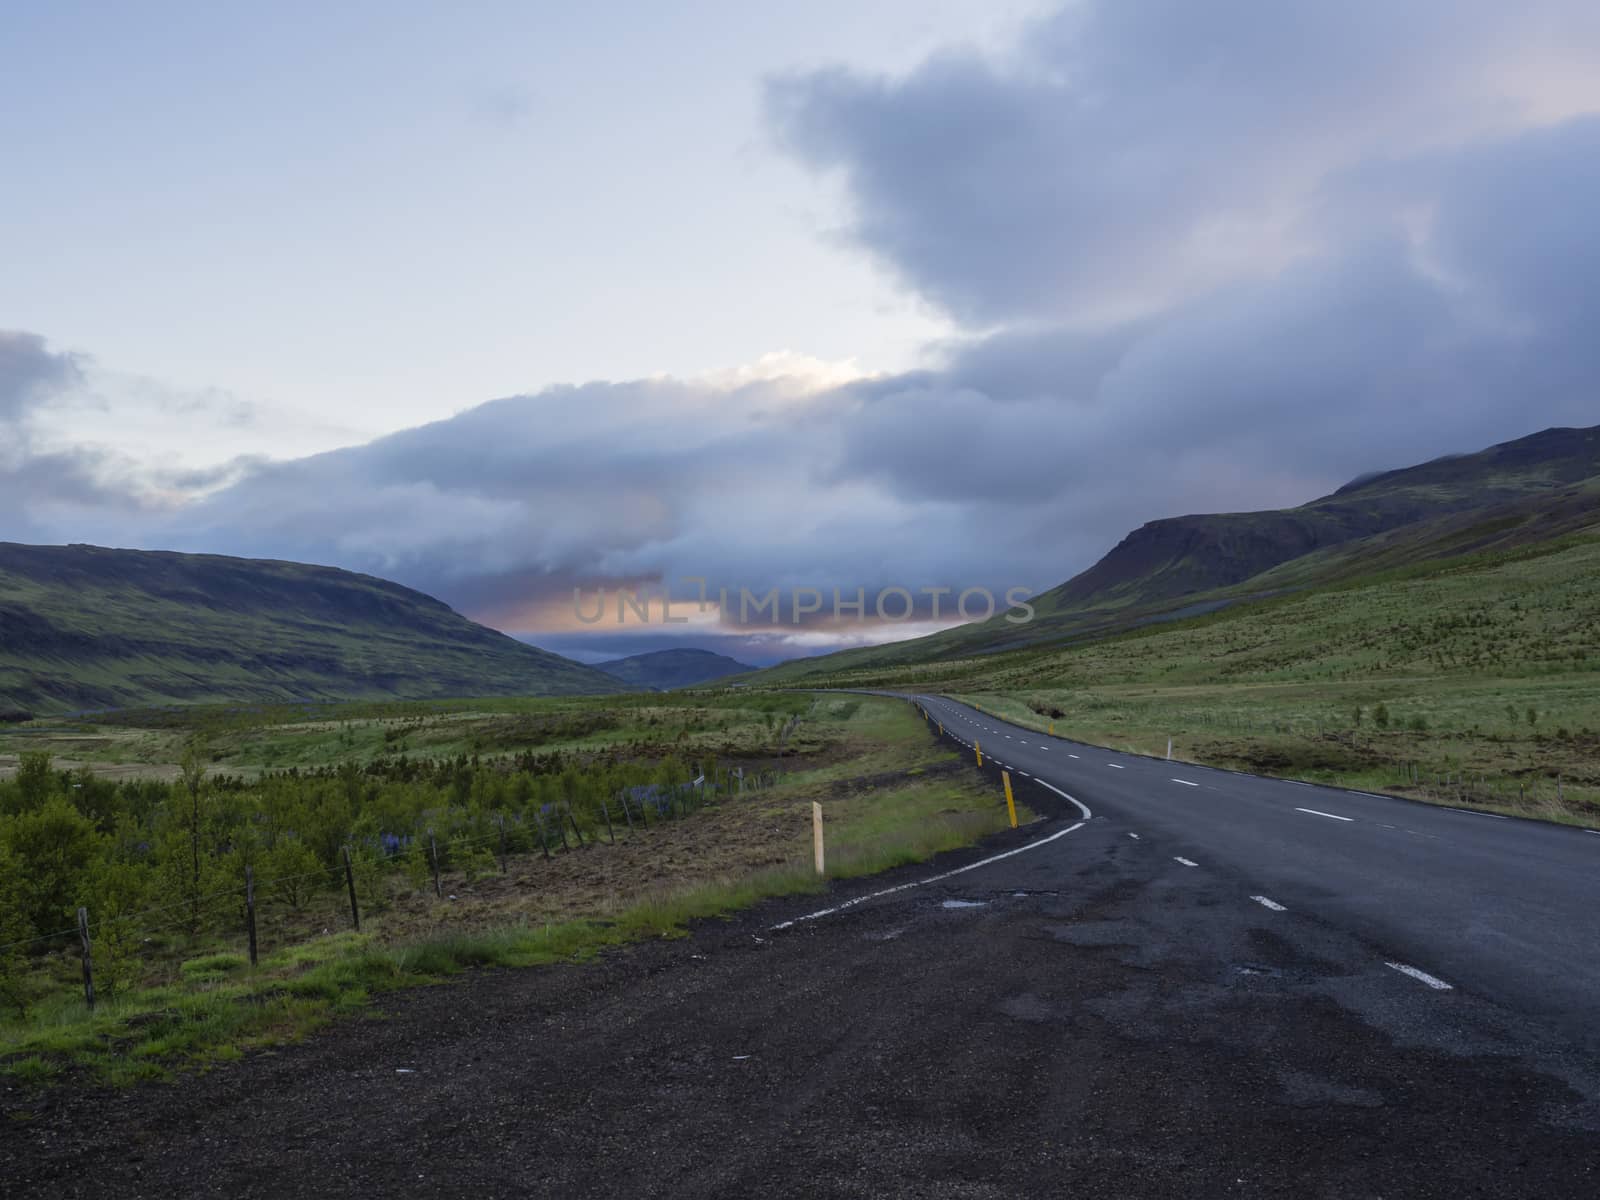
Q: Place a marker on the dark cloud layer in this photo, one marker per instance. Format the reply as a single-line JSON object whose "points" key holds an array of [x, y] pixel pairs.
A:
{"points": [[1209, 257]]}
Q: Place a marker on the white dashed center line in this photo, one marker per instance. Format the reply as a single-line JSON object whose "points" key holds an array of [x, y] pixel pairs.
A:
{"points": [[1115, 766], [1434, 982], [1591, 831], [1185, 782], [1330, 816], [1134, 836], [1185, 861], [1272, 904]]}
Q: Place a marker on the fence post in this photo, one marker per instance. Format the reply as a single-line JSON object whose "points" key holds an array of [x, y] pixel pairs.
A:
{"points": [[250, 909], [576, 832], [350, 880], [611, 834], [501, 821], [88, 959], [627, 811], [433, 857], [544, 834]]}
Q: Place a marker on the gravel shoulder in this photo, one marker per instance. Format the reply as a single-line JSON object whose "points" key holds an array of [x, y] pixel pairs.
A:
{"points": [[1085, 1019]]}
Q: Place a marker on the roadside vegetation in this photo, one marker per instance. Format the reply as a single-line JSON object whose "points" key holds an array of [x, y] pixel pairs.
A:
{"points": [[1470, 681], [558, 828]]}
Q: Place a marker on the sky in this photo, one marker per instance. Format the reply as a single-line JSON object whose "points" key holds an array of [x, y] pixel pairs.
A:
{"points": [[512, 301]]}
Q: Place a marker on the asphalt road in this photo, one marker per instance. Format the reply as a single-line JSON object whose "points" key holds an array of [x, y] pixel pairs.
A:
{"points": [[1214, 1007], [1506, 909]]}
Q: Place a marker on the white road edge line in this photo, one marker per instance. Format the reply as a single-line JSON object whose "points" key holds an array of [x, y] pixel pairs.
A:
{"points": [[1082, 807], [1185, 782], [1184, 861], [1330, 816], [1475, 812], [916, 883], [1272, 904], [1432, 981]]}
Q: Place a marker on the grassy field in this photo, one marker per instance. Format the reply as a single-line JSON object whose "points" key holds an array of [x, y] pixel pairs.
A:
{"points": [[1471, 681], [891, 795]]}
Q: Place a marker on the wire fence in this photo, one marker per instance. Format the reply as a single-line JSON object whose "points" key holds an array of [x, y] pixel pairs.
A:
{"points": [[541, 832]]}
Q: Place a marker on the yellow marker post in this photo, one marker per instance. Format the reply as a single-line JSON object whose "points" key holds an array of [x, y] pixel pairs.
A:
{"points": [[941, 728], [1011, 805], [977, 748], [1052, 729], [816, 836]]}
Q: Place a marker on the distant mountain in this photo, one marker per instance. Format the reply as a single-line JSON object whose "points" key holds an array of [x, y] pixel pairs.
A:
{"points": [[1179, 556], [664, 670], [84, 627], [1518, 493]]}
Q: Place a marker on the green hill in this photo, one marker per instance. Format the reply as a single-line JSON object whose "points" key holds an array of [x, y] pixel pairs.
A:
{"points": [[1529, 489], [83, 627], [664, 670]]}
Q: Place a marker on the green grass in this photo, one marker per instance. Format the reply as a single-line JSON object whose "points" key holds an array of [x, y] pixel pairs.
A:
{"points": [[1455, 651]]}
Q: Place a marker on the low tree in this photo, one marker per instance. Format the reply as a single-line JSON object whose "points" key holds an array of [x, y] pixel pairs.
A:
{"points": [[119, 896], [55, 846], [15, 930]]}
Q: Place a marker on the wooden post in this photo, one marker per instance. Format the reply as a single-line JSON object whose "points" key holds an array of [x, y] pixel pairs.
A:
{"points": [[250, 910], [977, 748], [611, 834], [88, 959], [501, 821], [350, 879], [1011, 805], [562, 830], [576, 832], [816, 838], [544, 836], [1169, 749], [433, 857], [627, 809]]}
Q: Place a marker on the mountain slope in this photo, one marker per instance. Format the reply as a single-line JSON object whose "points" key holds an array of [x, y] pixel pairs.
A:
{"points": [[85, 627], [1179, 556], [668, 669], [1536, 487]]}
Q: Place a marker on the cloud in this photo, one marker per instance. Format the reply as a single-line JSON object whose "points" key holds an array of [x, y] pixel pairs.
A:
{"points": [[30, 374], [1207, 257], [1129, 153]]}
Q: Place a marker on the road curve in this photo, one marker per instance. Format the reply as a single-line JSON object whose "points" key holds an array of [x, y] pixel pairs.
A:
{"points": [[1506, 909]]}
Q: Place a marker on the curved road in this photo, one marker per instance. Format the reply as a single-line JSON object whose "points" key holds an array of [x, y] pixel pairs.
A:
{"points": [[1506, 909]]}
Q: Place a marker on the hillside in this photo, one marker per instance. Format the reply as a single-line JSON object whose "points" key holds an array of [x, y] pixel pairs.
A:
{"points": [[1185, 566], [664, 670], [84, 627]]}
